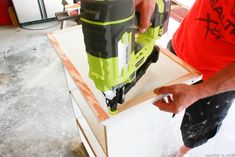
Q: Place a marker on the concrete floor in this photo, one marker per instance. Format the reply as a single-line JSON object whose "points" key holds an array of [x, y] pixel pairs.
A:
{"points": [[36, 116]]}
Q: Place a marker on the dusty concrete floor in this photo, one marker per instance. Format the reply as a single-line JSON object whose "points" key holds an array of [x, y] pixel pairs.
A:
{"points": [[36, 116]]}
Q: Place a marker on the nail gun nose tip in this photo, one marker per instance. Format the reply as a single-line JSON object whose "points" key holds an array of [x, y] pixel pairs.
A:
{"points": [[112, 111]]}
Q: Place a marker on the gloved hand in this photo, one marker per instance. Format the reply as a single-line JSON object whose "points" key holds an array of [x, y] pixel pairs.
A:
{"points": [[146, 9]]}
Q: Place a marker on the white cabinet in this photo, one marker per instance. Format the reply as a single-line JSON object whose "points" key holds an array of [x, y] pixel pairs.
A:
{"points": [[138, 129], [27, 10], [37, 10]]}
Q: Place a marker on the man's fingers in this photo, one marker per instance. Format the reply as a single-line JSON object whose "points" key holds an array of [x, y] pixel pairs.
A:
{"points": [[167, 107], [156, 91], [146, 9], [164, 90], [145, 17]]}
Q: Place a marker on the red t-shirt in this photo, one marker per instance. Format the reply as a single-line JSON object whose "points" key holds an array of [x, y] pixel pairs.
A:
{"points": [[206, 36]]}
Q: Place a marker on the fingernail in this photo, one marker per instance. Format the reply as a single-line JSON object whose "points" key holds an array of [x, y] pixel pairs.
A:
{"points": [[142, 30], [165, 99], [156, 91]]}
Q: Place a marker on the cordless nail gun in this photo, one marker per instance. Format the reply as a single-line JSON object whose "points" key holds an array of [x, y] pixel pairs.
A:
{"points": [[117, 54]]}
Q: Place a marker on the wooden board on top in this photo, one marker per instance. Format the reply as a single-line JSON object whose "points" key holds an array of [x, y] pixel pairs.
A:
{"points": [[185, 3], [69, 44]]}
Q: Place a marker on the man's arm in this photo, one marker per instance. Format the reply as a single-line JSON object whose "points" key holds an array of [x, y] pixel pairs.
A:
{"points": [[220, 82], [186, 95]]}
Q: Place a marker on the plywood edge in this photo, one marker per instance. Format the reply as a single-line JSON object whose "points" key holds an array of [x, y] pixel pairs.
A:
{"points": [[181, 4], [106, 140], [101, 138], [80, 83], [189, 79], [178, 13], [83, 133], [87, 133]]}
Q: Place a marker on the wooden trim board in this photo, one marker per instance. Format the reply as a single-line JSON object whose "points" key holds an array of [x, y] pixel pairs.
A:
{"points": [[180, 61], [178, 13], [84, 135], [94, 104], [80, 103], [185, 3]]}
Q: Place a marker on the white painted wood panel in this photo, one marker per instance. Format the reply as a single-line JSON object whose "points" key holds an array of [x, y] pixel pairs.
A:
{"points": [[88, 137], [141, 134], [157, 75], [53, 6], [80, 105]]}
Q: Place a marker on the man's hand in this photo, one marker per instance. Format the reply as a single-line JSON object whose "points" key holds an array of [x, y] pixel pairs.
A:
{"points": [[183, 96], [186, 95], [146, 9]]}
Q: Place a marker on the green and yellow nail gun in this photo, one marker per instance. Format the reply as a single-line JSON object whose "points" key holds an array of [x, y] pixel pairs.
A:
{"points": [[117, 55]]}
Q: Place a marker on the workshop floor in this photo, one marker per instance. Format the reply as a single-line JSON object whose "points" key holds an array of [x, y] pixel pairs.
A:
{"points": [[36, 116]]}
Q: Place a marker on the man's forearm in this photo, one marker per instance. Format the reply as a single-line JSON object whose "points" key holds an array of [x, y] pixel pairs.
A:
{"points": [[221, 82]]}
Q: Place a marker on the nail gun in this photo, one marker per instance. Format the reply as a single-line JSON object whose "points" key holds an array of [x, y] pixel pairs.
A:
{"points": [[117, 54]]}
